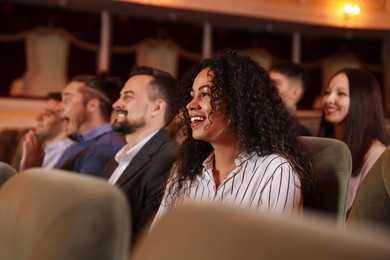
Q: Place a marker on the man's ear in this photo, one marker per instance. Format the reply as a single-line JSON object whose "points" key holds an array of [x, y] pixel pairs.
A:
{"points": [[93, 104], [159, 107], [297, 93]]}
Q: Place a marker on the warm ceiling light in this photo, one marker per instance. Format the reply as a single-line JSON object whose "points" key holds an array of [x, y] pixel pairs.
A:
{"points": [[356, 10], [348, 8], [352, 9]]}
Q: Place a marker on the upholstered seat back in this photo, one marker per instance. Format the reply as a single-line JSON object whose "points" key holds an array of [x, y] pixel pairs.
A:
{"points": [[53, 214], [372, 201], [6, 172], [332, 167], [210, 232]]}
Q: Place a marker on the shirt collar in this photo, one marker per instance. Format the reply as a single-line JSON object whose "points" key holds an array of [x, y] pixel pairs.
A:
{"points": [[240, 159], [95, 132], [57, 145], [127, 152]]}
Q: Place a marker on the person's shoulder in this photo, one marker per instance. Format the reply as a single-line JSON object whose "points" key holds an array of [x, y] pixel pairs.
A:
{"points": [[111, 138], [375, 150], [169, 148], [112, 134], [165, 139], [272, 160], [376, 144]]}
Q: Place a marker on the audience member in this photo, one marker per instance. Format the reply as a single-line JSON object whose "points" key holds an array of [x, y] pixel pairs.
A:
{"points": [[146, 105], [47, 139], [86, 113], [240, 145], [353, 113], [292, 80]]}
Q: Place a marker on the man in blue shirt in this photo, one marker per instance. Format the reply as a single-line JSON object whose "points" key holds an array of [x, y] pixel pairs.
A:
{"points": [[86, 111]]}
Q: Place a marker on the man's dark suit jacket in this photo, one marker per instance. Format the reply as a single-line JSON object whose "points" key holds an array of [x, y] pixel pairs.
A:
{"points": [[144, 178]]}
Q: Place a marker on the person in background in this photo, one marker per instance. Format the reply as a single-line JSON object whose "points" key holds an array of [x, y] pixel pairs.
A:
{"points": [[240, 144], [86, 114], [292, 81], [353, 113], [47, 138], [148, 103]]}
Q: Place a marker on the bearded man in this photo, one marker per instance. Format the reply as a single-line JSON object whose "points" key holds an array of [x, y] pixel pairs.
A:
{"points": [[147, 104]]}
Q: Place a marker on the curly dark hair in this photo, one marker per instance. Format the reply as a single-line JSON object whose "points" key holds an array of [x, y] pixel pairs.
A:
{"points": [[256, 113]]}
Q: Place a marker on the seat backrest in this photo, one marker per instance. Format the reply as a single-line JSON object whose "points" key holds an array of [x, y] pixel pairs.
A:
{"points": [[9, 144], [6, 172], [372, 201], [332, 167], [212, 232], [53, 214]]}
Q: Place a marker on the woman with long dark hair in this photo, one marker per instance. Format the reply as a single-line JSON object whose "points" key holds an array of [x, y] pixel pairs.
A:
{"points": [[353, 113]]}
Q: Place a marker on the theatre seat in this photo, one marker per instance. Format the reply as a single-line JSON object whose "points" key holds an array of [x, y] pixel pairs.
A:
{"points": [[332, 167], [209, 232], [372, 201], [6, 172], [52, 214]]}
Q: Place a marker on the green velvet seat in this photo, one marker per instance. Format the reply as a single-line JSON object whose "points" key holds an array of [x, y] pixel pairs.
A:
{"points": [[52, 214], [209, 232], [332, 166], [372, 202], [6, 172]]}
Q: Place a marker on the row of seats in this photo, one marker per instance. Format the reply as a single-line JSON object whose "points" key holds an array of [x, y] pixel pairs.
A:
{"points": [[53, 214], [202, 232]]}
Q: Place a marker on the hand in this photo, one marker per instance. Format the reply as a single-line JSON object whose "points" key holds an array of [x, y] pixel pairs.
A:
{"points": [[32, 152]]}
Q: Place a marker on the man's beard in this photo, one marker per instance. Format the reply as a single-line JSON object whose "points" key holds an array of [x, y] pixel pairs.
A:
{"points": [[125, 127]]}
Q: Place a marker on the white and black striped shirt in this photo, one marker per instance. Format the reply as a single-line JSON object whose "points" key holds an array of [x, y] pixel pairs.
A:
{"points": [[266, 183]]}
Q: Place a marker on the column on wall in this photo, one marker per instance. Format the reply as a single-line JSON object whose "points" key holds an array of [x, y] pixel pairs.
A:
{"points": [[207, 40], [103, 64], [296, 47]]}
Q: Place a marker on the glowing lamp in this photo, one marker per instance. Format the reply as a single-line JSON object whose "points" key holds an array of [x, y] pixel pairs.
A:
{"points": [[351, 9]]}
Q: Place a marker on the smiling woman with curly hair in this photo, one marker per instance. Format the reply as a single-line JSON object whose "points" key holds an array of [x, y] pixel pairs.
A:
{"points": [[240, 142]]}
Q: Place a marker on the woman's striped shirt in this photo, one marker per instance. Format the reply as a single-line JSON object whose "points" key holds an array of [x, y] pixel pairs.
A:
{"points": [[266, 183]]}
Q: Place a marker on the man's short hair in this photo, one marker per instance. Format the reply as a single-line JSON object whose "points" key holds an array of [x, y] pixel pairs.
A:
{"points": [[164, 86], [106, 89], [292, 70]]}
